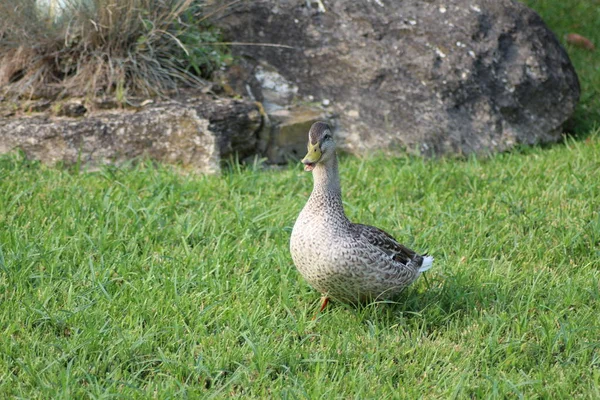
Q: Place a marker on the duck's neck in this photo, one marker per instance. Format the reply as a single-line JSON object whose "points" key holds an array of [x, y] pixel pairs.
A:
{"points": [[327, 193]]}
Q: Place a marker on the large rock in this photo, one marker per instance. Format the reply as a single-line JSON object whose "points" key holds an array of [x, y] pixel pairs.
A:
{"points": [[453, 76], [196, 134]]}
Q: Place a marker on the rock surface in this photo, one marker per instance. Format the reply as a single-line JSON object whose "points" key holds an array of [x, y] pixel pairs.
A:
{"points": [[434, 77], [195, 134], [287, 121], [288, 136]]}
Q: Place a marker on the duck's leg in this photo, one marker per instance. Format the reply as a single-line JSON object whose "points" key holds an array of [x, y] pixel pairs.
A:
{"points": [[324, 302]]}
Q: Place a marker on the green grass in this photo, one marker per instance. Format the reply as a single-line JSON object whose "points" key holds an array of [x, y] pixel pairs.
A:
{"points": [[140, 282], [582, 17]]}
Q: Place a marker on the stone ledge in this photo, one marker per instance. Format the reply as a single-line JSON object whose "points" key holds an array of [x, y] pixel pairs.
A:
{"points": [[195, 134]]}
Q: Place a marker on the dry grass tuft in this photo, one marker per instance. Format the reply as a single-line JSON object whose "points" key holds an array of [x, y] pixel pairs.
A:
{"points": [[103, 47]]}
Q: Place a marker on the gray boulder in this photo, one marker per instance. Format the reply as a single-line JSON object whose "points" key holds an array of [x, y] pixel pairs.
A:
{"points": [[433, 77]]}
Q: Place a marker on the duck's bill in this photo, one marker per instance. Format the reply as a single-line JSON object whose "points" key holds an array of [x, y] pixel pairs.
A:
{"points": [[309, 167], [312, 157]]}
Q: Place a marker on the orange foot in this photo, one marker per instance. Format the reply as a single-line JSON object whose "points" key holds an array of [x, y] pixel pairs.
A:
{"points": [[324, 302]]}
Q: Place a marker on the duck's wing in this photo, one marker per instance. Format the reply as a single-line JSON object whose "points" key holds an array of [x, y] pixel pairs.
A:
{"points": [[386, 243]]}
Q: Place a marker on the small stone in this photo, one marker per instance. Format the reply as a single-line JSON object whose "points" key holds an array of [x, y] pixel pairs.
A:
{"points": [[72, 110], [277, 91]]}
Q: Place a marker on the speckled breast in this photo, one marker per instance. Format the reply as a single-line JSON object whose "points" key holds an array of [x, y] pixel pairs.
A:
{"points": [[334, 267]]}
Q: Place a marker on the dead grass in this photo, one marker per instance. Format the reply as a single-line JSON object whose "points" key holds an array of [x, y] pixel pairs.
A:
{"points": [[93, 48]]}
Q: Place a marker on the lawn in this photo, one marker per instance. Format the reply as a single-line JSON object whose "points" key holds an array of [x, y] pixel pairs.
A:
{"points": [[143, 282]]}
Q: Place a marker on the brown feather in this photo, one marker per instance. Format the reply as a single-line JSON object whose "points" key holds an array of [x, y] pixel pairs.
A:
{"points": [[388, 244]]}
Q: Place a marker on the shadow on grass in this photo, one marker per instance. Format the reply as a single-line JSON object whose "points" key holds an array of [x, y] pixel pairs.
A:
{"points": [[435, 304]]}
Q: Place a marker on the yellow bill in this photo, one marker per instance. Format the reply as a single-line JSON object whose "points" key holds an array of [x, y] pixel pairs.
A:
{"points": [[312, 157]]}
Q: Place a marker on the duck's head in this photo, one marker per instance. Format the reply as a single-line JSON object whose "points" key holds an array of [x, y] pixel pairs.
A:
{"points": [[321, 146]]}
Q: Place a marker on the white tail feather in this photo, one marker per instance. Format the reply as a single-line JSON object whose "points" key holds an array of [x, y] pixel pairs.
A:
{"points": [[427, 263]]}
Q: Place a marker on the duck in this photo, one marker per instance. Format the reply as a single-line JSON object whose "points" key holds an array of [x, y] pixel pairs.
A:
{"points": [[345, 261]]}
